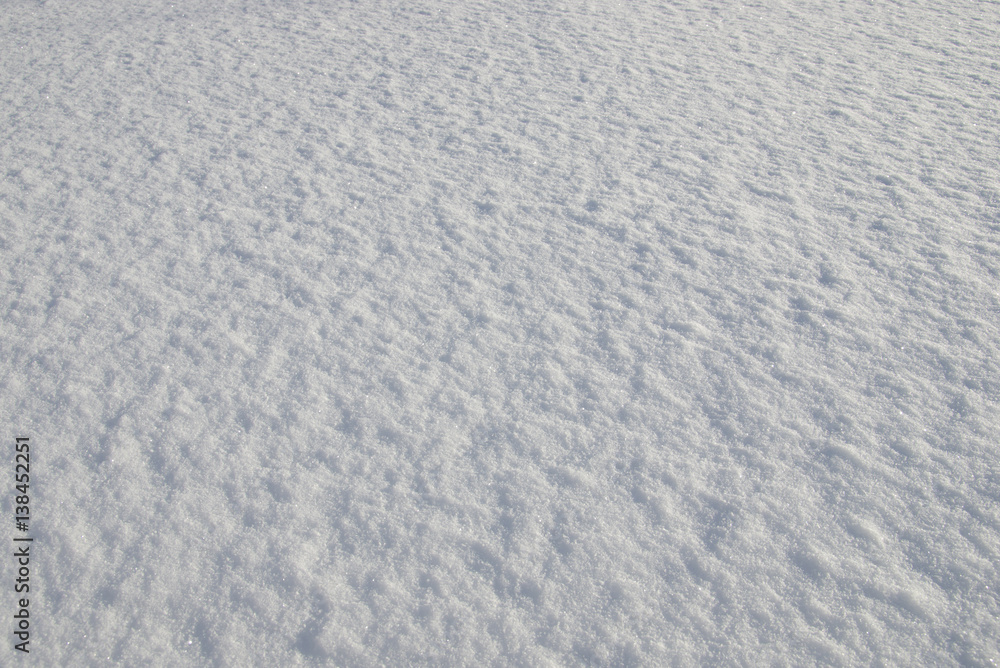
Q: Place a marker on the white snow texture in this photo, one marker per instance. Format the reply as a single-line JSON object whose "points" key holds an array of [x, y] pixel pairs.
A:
{"points": [[490, 333]]}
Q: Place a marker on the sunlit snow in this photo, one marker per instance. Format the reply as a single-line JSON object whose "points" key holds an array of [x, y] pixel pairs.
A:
{"points": [[503, 333]]}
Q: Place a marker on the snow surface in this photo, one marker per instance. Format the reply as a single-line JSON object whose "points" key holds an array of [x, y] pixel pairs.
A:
{"points": [[504, 333]]}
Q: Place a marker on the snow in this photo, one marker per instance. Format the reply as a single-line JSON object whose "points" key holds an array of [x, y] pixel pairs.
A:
{"points": [[504, 333]]}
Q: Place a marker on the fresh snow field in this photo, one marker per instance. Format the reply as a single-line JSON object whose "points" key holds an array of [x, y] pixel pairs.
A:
{"points": [[485, 333]]}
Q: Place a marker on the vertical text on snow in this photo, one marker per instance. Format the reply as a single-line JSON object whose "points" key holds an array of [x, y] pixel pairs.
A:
{"points": [[22, 542]]}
